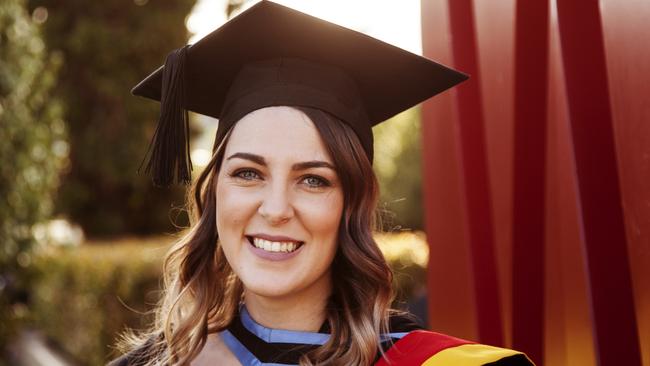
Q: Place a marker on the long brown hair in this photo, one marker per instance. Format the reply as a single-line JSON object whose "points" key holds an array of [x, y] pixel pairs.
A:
{"points": [[202, 292]]}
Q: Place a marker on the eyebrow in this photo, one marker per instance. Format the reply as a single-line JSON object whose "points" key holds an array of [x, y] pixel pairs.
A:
{"points": [[248, 156], [297, 166]]}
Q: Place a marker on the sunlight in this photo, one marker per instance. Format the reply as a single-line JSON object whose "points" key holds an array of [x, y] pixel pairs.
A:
{"points": [[392, 21]]}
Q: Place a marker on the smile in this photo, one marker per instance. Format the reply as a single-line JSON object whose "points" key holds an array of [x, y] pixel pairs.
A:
{"points": [[274, 246]]}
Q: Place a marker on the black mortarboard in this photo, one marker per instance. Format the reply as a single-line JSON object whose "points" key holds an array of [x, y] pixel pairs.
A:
{"points": [[273, 55]]}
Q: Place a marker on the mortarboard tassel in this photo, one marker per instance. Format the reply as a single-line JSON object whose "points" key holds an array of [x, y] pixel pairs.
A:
{"points": [[170, 145]]}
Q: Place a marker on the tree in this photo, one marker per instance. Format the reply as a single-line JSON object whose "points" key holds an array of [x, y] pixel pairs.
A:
{"points": [[397, 164], [107, 47], [33, 149]]}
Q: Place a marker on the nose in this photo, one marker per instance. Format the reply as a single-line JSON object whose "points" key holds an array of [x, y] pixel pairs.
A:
{"points": [[276, 207]]}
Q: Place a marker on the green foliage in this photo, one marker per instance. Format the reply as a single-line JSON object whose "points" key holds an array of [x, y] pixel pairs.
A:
{"points": [[33, 150], [407, 253], [85, 296], [108, 46], [397, 164]]}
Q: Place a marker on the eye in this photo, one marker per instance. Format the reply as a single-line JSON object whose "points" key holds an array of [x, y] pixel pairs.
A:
{"points": [[246, 174], [315, 181]]}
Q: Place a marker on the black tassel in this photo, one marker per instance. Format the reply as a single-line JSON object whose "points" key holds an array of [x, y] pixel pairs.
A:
{"points": [[170, 145]]}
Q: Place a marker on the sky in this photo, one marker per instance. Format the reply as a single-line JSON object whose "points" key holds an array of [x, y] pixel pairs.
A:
{"points": [[393, 21]]}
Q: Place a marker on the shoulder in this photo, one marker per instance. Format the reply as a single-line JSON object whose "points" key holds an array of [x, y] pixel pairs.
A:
{"points": [[137, 357], [120, 361], [214, 349], [140, 355], [421, 347]]}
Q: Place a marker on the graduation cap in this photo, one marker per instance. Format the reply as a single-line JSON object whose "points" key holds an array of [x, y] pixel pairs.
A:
{"points": [[272, 55]]}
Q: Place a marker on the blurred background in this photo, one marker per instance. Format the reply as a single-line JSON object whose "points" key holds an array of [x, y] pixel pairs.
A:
{"points": [[516, 207]]}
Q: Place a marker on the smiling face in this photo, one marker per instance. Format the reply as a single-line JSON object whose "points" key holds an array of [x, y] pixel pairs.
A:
{"points": [[279, 203]]}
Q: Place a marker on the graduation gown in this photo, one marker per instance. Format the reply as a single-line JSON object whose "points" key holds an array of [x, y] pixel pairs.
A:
{"points": [[407, 344]]}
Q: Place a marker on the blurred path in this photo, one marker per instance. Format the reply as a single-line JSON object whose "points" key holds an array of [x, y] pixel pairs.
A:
{"points": [[30, 349]]}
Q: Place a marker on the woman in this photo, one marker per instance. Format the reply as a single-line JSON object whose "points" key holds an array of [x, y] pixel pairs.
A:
{"points": [[280, 266]]}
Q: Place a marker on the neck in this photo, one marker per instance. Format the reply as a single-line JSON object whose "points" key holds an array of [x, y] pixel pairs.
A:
{"points": [[303, 311]]}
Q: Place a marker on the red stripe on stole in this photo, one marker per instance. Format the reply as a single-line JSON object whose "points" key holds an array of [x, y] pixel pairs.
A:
{"points": [[417, 347]]}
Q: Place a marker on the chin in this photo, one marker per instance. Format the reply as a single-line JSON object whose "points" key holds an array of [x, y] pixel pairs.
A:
{"points": [[269, 288]]}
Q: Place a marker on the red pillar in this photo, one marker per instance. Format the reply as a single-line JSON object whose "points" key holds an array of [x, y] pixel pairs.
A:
{"points": [[605, 244], [528, 226], [451, 301], [474, 173]]}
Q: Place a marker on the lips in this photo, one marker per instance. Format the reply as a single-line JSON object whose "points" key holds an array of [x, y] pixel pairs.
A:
{"points": [[274, 244]]}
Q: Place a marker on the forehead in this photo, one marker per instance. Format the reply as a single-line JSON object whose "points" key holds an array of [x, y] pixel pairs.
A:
{"points": [[277, 132]]}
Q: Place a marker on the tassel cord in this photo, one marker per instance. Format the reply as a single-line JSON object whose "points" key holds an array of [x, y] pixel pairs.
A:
{"points": [[169, 151]]}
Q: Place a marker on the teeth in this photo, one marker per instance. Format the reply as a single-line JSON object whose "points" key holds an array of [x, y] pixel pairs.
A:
{"points": [[275, 246]]}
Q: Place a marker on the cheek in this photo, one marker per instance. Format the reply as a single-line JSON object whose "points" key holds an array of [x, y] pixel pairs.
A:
{"points": [[232, 217], [322, 218], [233, 210]]}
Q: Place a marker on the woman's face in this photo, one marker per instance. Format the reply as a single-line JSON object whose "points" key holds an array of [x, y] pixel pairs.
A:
{"points": [[279, 204]]}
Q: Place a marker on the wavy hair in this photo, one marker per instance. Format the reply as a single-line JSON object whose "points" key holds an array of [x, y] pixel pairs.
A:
{"points": [[202, 293]]}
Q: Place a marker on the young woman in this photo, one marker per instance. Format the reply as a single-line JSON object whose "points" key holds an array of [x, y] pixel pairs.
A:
{"points": [[280, 266]]}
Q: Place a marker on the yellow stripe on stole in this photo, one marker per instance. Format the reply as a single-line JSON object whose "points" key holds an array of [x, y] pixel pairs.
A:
{"points": [[468, 355]]}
